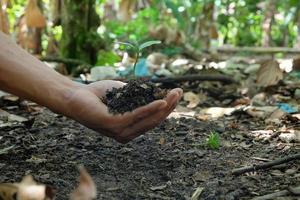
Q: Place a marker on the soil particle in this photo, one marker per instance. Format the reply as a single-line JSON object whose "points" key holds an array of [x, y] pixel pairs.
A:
{"points": [[134, 94]]}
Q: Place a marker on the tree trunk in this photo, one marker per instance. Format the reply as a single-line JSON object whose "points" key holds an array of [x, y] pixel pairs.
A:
{"points": [[270, 10], [205, 25], [297, 45], [4, 23], [79, 23]]}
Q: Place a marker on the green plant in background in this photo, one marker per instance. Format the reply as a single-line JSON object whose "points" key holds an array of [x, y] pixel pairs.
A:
{"points": [[213, 140], [107, 58], [137, 48]]}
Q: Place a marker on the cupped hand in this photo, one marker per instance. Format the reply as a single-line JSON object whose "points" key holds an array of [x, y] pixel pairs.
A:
{"points": [[86, 107]]}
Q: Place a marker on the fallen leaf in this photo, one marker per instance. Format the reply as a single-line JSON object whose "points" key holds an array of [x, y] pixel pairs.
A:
{"points": [[162, 141], [269, 73], [276, 173], [291, 136], [216, 112], [156, 188], [86, 189], [11, 98], [291, 171], [11, 117], [192, 98], [5, 150], [260, 112], [242, 101], [27, 189], [276, 116], [197, 193]]}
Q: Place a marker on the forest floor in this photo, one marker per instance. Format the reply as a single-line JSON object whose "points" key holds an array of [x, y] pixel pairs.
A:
{"points": [[170, 162]]}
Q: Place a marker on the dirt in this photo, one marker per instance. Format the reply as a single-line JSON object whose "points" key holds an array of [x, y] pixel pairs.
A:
{"points": [[170, 162], [134, 94]]}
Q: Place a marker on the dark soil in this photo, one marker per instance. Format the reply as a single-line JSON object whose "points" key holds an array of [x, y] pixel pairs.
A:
{"points": [[170, 162], [134, 94]]}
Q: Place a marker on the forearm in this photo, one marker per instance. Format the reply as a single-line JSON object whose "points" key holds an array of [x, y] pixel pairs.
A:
{"points": [[25, 76]]}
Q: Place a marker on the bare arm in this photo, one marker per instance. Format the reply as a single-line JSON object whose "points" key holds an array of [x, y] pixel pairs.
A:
{"points": [[25, 76]]}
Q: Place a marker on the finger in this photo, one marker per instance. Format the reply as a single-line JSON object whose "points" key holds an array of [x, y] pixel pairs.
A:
{"points": [[142, 112], [146, 117], [152, 120], [136, 115], [173, 97]]}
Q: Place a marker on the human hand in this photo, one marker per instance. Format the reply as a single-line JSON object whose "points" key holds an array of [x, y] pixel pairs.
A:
{"points": [[86, 107]]}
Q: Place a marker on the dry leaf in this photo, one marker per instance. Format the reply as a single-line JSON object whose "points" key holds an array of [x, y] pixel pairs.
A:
{"points": [[197, 193], [216, 112], [162, 141], [8, 191], [34, 16], [192, 98], [261, 112], [86, 189], [269, 73], [27, 189]]}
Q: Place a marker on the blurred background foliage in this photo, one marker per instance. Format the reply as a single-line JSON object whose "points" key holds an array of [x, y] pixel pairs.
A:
{"points": [[202, 24]]}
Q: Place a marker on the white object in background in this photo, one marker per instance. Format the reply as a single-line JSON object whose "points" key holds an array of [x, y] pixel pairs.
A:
{"points": [[2, 93], [101, 73]]}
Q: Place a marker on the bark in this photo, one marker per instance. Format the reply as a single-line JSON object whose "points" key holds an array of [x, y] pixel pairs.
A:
{"points": [[4, 23], [79, 23], [297, 45], [270, 10], [205, 25]]}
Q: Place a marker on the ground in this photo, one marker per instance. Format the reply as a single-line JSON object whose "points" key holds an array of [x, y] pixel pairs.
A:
{"points": [[169, 162]]}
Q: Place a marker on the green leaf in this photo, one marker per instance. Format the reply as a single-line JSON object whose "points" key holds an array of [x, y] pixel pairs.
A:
{"points": [[213, 141], [128, 44], [149, 43], [174, 7], [108, 58]]}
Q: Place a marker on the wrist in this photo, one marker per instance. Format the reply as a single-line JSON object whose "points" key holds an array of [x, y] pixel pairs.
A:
{"points": [[63, 99]]}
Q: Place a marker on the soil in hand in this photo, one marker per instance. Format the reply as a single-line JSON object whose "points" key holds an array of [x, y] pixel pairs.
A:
{"points": [[134, 94]]}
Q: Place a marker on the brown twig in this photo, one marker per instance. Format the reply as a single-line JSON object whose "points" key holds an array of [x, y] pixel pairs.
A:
{"points": [[266, 165], [221, 78], [65, 61], [278, 194]]}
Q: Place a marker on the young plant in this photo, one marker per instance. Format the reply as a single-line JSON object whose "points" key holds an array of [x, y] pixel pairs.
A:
{"points": [[137, 48], [213, 140]]}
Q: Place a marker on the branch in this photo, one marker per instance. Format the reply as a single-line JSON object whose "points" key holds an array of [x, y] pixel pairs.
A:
{"points": [[221, 78], [65, 61], [278, 194], [271, 50], [266, 165]]}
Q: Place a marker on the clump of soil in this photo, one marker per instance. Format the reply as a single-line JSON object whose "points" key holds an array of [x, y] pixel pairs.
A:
{"points": [[134, 94]]}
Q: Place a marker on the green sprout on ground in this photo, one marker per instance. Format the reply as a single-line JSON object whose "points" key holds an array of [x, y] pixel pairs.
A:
{"points": [[213, 140], [137, 48]]}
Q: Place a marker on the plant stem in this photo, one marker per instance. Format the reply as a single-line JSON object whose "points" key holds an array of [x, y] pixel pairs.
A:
{"points": [[136, 60]]}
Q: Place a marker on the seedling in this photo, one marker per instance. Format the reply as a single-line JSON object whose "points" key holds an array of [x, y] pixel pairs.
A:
{"points": [[213, 140], [137, 48]]}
